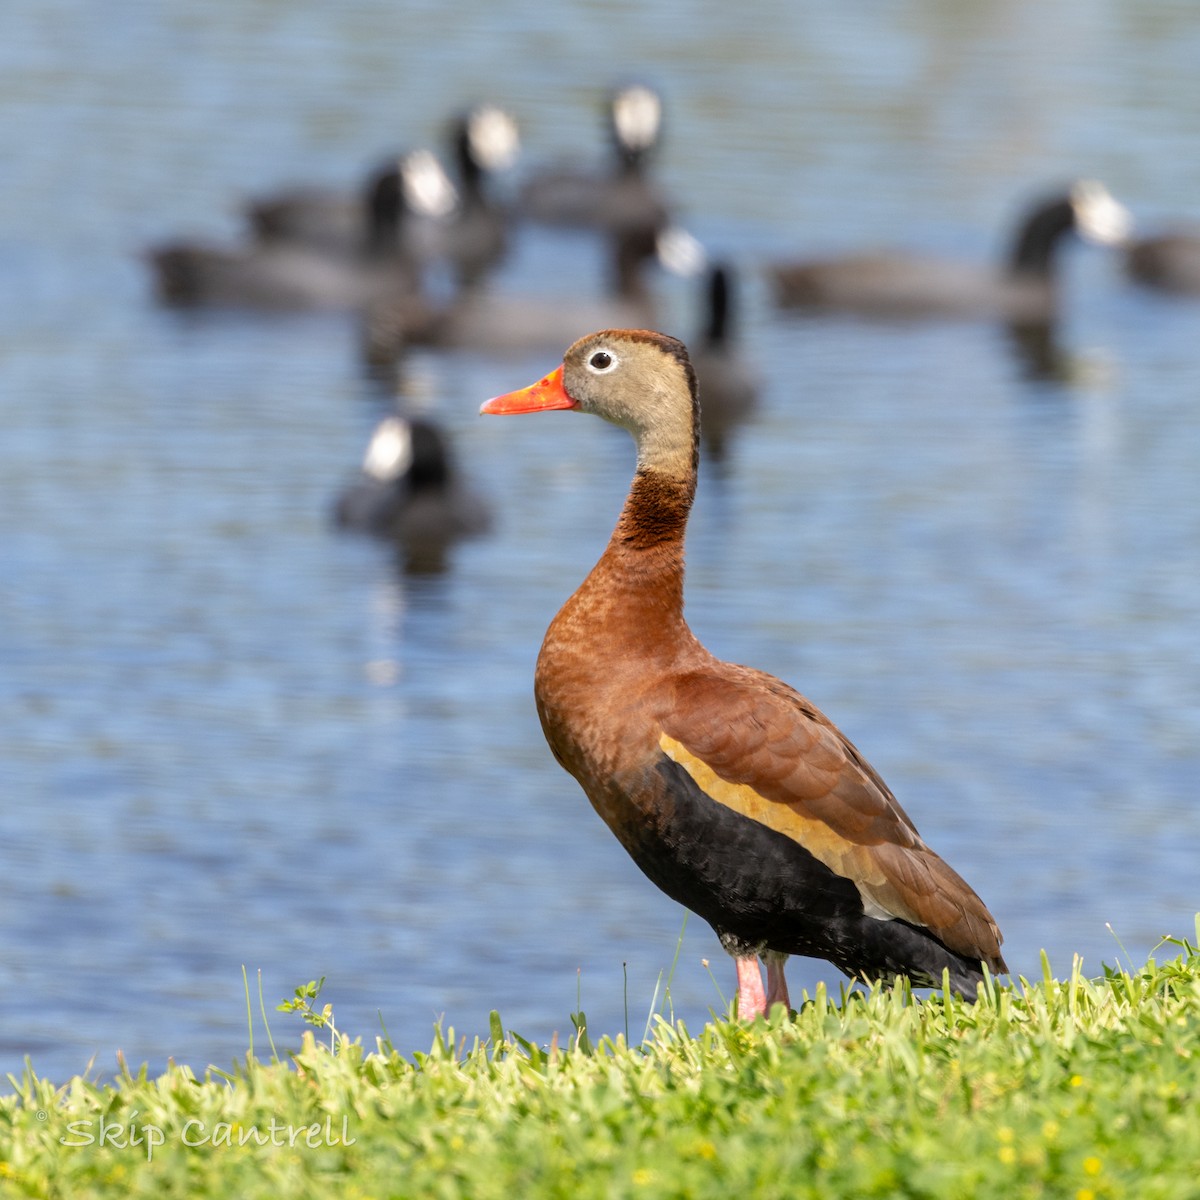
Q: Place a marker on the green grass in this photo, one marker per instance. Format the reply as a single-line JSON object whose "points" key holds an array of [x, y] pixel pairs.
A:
{"points": [[1080, 1088]]}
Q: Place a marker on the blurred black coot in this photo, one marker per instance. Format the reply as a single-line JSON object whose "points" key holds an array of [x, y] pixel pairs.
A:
{"points": [[1023, 288], [485, 141], [408, 492], [618, 197], [499, 322], [1168, 261], [313, 248], [280, 274], [729, 387], [206, 275], [472, 237]]}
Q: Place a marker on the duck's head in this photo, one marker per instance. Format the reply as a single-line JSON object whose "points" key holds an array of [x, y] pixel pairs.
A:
{"points": [[635, 378]]}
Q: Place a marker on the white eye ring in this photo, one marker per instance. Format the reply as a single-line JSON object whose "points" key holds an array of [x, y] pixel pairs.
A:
{"points": [[601, 361]]}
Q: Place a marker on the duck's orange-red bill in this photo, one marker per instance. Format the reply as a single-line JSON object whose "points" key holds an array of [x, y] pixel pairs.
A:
{"points": [[546, 394]]}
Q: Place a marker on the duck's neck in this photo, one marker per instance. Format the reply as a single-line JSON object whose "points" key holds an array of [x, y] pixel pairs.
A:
{"points": [[1032, 254], [654, 519], [636, 589], [632, 601]]}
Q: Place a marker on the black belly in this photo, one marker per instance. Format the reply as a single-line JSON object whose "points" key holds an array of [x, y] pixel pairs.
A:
{"points": [[765, 889]]}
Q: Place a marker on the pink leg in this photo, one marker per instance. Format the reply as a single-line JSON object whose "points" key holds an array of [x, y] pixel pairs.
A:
{"points": [[777, 992], [751, 1001]]}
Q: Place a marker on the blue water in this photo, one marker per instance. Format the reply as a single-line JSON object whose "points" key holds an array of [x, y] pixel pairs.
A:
{"points": [[230, 736]]}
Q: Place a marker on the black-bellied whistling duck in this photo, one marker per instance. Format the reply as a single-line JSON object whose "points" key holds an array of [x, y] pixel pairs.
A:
{"points": [[731, 791], [1021, 289], [408, 492], [1168, 261]]}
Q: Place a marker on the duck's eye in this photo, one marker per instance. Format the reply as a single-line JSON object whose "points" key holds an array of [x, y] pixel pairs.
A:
{"points": [[601, 361]]}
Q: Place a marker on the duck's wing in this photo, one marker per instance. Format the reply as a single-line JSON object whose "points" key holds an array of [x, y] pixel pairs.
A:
{"points": [[759, 748]]}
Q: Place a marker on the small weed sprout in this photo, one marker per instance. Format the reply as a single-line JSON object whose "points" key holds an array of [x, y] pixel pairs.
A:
{"points": [[302, 1002]]}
